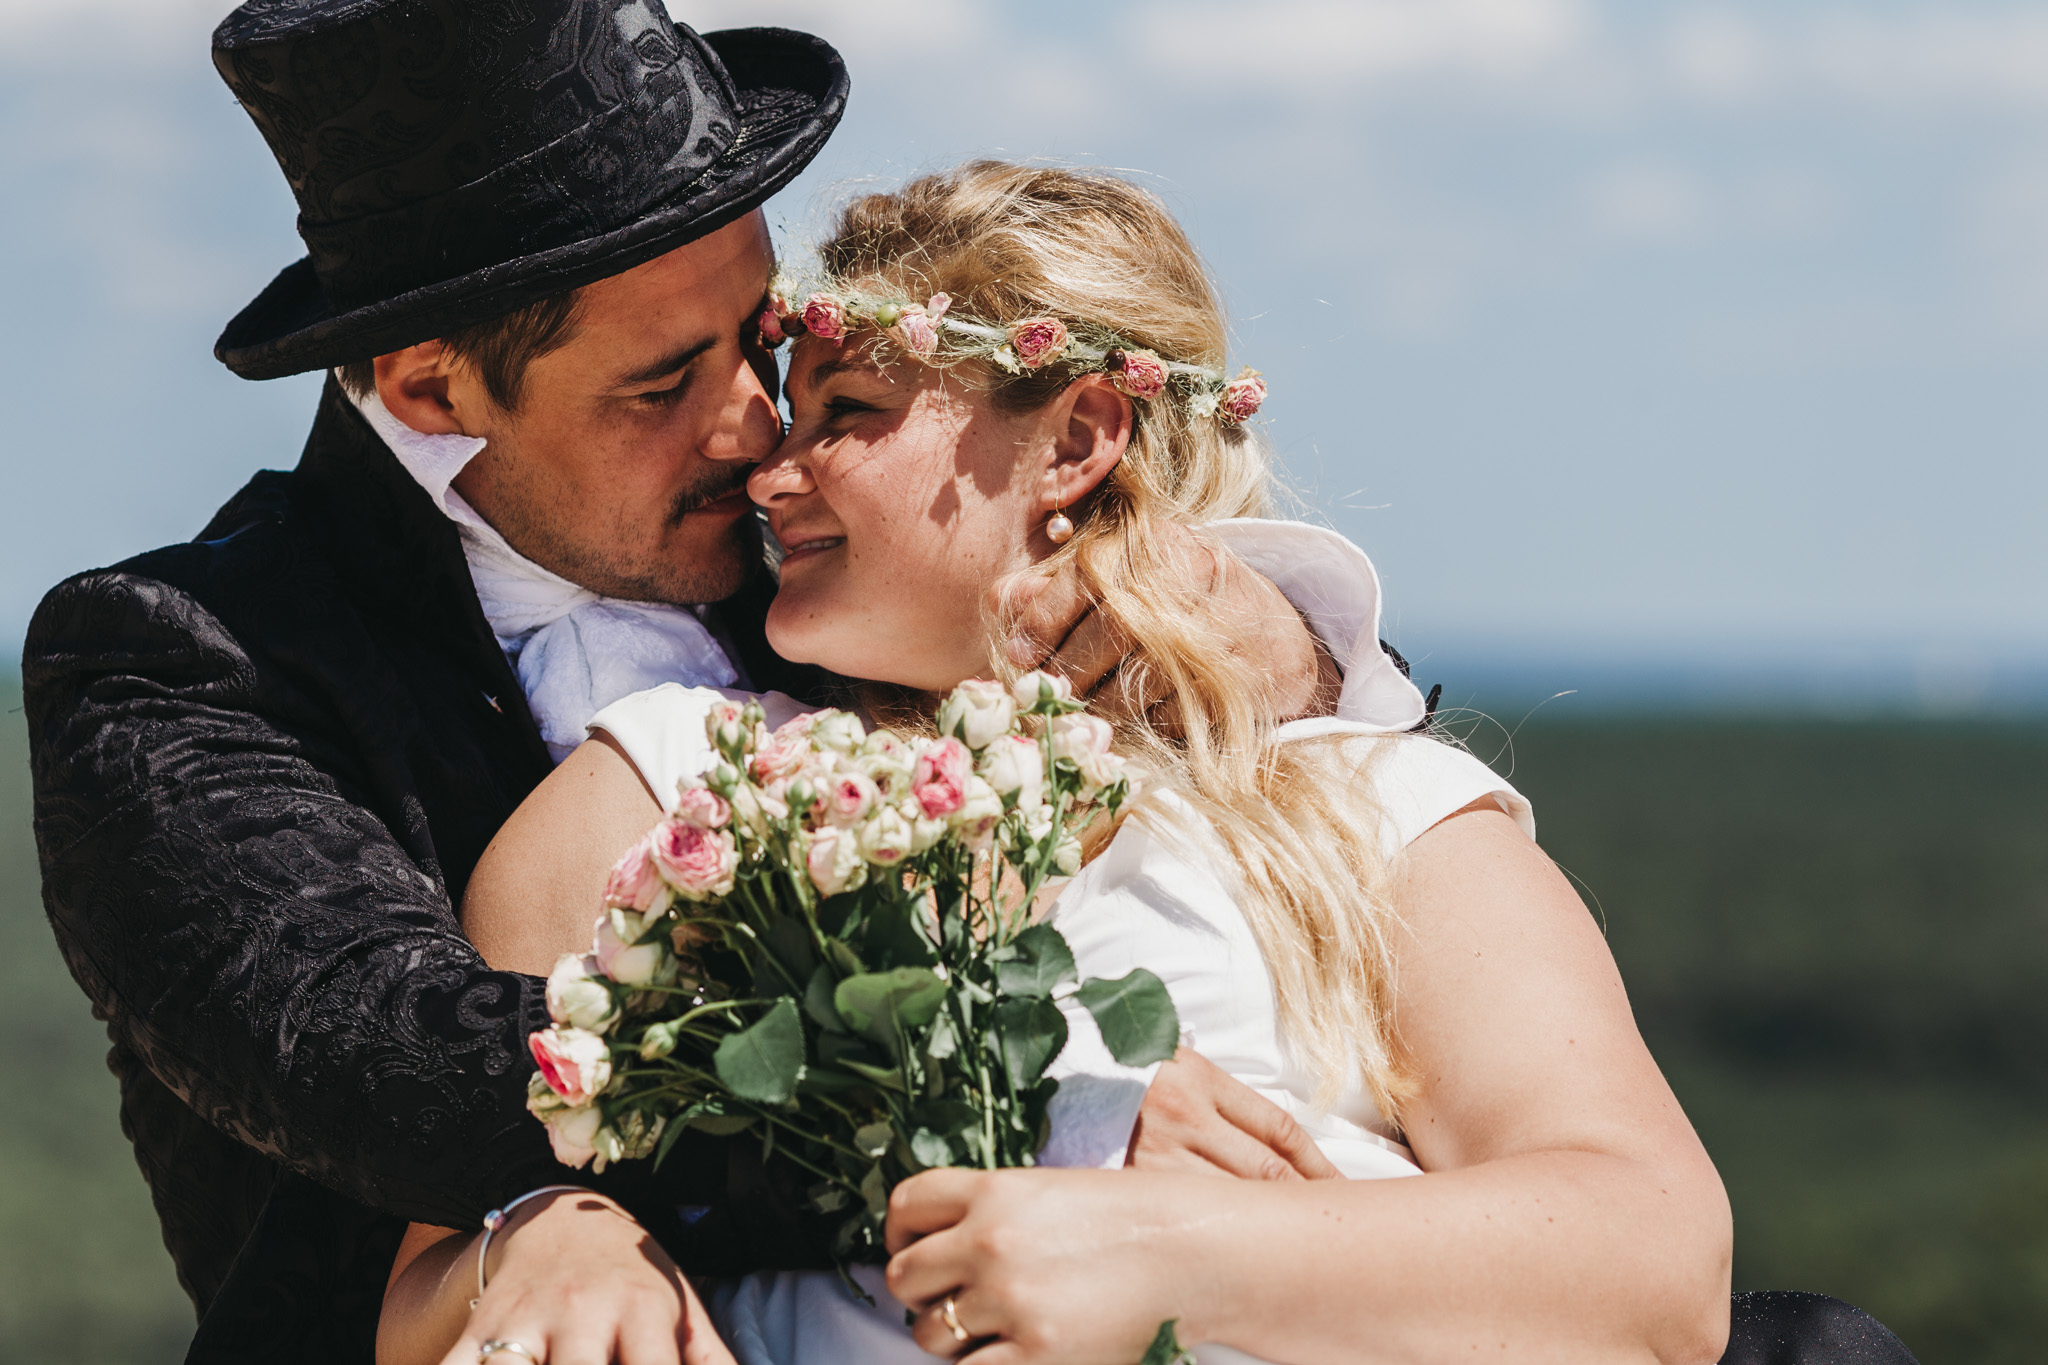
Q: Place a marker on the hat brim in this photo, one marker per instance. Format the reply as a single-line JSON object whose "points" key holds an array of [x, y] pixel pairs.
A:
{"points": [[792, 89]]}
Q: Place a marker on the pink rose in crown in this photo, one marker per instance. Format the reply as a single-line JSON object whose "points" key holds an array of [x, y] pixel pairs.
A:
{"points": [[936, 307], [825, 316], [1243, 396], [1038, 341], [635, 884], [783, 754], [574, 1062], [914, 332], [939, 782], [702, 807], [698, 863], [771, 328], [1140, 374]]}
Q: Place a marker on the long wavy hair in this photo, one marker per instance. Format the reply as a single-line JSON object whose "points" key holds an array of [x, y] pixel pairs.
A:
{"points": [[1297, 822]]}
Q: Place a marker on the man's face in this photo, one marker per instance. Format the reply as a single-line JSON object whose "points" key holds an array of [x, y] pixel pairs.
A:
{"points": [[624, 469]]}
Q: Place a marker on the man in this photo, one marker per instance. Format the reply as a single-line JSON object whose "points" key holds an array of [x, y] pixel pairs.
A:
{"points": [[266, 761]]}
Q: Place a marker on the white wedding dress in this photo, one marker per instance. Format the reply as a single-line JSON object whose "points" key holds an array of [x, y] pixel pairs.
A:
{"points": [[1151, 899]]}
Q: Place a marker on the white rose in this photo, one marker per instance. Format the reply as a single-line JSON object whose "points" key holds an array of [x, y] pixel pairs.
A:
{"points": [[576, 998], [1078, 737], [839, 731], [1013, 767], [573, 1134], [980, 813], [621, 958], [924, 833], [978, 712], [834, 861], [1066, 854], [885, 838], [1032, 688]]}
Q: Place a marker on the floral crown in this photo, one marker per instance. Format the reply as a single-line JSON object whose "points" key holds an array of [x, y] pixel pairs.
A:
{"points": [[927, 332]]}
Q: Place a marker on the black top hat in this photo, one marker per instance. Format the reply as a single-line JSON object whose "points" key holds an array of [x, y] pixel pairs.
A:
{"points": [[456, 159]]}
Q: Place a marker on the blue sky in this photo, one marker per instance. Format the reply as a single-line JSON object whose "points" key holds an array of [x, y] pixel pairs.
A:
{"points": [[1703, 340]]}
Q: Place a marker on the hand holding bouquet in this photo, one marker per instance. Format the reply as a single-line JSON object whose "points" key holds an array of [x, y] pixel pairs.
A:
{"points": [[829, 943]]}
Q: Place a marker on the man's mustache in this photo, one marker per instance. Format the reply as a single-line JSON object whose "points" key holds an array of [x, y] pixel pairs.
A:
{"points": [[704, 494]]}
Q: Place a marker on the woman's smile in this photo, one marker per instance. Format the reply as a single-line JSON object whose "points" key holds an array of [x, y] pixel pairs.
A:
{"points": [[808, 547]]}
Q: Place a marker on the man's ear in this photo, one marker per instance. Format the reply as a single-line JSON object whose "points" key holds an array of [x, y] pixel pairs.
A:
{"points": [[414, 384], [1094, 428]]}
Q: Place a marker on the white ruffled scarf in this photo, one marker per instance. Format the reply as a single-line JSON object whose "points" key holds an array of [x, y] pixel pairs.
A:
{"points": [[575, 651]]}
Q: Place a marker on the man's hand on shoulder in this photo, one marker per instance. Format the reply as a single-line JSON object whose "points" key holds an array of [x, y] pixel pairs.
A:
{"points": [[1059, 629]]}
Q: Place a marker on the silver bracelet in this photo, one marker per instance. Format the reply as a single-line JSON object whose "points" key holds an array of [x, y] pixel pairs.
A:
{"points": [[496, 1218]]}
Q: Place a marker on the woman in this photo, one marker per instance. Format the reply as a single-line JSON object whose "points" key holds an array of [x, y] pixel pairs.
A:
{"points": [[1355, 921]]}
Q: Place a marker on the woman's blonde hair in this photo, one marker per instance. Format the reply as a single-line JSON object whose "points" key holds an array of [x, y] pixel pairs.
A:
{"points": [[1009, 242]]}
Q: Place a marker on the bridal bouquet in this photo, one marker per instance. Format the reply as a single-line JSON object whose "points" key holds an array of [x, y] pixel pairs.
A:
{"points": [[829, 943]]}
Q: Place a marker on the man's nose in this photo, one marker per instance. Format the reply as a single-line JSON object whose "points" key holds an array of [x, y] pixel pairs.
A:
{"points": [[748, 426]]}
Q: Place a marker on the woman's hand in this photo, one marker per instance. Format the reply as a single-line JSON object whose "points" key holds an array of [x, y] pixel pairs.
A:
{"points": [[572, 1278], [1078, 1267]]}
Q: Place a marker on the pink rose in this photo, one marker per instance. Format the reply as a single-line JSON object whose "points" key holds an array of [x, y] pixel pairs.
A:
{"points": [[702, 807], [939, 782], [825, 316], [849, 796], [574, 1062], [698, 863], [772, 334], [914, 332], [1243, 396], [635, 884], [783, 754], [935, 308], [1140, 374], [1038, 341]]}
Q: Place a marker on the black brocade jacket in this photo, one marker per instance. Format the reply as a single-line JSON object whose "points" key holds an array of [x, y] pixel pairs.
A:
{"points": [[266, 763]]}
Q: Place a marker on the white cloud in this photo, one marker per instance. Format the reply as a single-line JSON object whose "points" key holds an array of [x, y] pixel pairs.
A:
{"points": [[1299, 44], [1646, 202]]}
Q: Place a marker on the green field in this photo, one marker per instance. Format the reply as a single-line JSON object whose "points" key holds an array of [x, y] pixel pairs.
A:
{"points": [[1836, 936]]}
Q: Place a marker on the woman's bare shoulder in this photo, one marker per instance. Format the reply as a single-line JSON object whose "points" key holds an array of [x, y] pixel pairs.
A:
{"points": [[535, 892]]}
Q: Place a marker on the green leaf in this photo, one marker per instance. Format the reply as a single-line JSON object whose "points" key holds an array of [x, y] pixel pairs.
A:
{"points": [[887, 1076], [1166, 1348], [930, 1149], [720, 1125], [894, 938], [1039, 960], [1030, 1033], [818, 1000], [1138, 1021], [764, 1061], [876, 1004]]}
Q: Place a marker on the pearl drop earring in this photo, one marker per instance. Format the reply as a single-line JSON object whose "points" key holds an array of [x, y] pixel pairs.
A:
{"points": [[1059, 530]]}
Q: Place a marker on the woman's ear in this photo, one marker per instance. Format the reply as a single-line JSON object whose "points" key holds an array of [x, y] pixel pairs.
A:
{"points": [[1093, 430], [414, 384]]}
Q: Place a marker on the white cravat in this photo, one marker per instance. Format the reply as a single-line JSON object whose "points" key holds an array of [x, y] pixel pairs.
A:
{"points": [[576, 652]]}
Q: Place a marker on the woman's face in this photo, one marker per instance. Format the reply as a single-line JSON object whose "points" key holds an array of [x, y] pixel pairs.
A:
{"points": [[900, 497]]}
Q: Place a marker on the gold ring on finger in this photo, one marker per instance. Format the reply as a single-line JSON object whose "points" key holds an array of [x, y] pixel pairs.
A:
{"points": [[951, 1317]]}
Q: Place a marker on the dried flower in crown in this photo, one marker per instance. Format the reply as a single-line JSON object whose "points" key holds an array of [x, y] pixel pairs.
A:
{"points": [[1242, 396], [929, 333], [1037, 342], [825, 317], [1141, 374]]}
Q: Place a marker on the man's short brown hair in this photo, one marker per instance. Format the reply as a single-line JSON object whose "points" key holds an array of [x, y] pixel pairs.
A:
{"points": [[498, 351]]}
